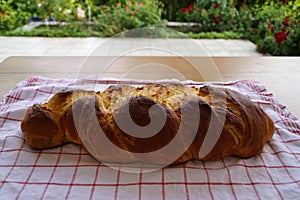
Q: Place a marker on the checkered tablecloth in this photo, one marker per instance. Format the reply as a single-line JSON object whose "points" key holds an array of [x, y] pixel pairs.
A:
{"points": [[69, 172]]}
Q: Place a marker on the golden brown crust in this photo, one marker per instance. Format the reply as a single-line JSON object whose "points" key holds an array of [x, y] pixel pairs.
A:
{"points": [[41, 129], [239, 126]]}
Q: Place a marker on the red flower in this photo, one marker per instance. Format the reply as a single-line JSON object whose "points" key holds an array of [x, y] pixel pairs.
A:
{"points": [[283, 1], [216, 5], [280, 37], [191, 8], [217, 19], [133, 12], [3, 13], [129, 3], [184, 10], [126, 8], [283, 30], [270, 27], [286, 21], [298, 21], [119, 4]]}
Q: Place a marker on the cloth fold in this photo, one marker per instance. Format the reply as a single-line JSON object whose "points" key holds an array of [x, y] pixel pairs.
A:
{"points": [[69, 172]]}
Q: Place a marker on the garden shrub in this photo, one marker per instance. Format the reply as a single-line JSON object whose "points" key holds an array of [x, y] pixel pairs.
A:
{"points": [[215, 35], [274, 25], [61, 10], [55, 31], [170, 8], [278, 29], [11, 16], [212, 15], [280, 35], [120, 17]]}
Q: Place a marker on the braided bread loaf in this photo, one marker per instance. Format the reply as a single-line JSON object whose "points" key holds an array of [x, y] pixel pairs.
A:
{"points": [[70, 116]]}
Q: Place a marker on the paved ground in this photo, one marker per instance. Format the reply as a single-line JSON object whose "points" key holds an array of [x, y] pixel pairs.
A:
{"points": [[37, 46]]}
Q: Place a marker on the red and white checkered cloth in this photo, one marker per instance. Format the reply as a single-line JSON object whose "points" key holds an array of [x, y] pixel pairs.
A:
{"points": [[69, 172]]}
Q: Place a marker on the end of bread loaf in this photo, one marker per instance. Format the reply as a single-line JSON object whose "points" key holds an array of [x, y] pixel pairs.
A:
{"points": [[44, 124], [246, 128], [41, 128]]}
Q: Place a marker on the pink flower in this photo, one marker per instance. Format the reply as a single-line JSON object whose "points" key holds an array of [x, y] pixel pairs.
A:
{"points": [[119, 4], [133, 12], [39, 5], [137, 4], [80, 13], [126, 8], [129, 3]]}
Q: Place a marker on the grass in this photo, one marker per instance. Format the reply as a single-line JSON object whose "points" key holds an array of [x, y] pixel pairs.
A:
{"points": [[88, 31], [55, 31], [215, 35]]}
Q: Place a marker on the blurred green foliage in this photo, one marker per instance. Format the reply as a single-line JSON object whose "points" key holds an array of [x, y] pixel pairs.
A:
{"points": [[274, 25]]}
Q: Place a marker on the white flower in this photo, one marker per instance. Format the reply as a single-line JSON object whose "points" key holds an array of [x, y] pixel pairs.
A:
{"points": [[67, 11]]}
